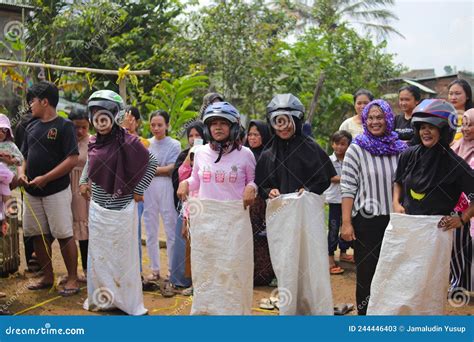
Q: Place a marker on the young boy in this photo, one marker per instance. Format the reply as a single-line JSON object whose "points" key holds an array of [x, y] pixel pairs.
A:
{"points": [[340, 142], [50, 151]]}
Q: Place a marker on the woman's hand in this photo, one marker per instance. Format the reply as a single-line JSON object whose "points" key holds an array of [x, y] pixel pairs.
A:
{"points": [[138, 198], [450, 222], [185, 228], [274, 193], [347, 231], [249, 196], [398, 208], [183, 191], [85, 191]]}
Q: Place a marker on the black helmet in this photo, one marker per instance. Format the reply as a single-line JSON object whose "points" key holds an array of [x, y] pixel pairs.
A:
{"points": [[287, 104], [436, 112]]}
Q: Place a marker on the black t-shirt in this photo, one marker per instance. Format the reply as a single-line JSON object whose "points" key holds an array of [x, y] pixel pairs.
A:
{"points": [[442, 198], [404, 129], [45, 146]]}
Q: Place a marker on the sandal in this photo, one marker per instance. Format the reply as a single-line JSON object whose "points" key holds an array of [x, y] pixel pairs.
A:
{"points": [[168, 291], [342, 309], [188, 292], [275, 302], [336, 270], [347, 258], [266, 304], [69, 292], [39, 286]]}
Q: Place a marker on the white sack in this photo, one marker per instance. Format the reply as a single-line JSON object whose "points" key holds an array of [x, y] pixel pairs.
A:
{"points": [[221, 257], [299, 252], [113, 267], [412, 275]]}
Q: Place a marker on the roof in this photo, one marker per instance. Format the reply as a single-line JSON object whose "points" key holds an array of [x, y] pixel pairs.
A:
{"points": [[421, 86], [15, 4]]}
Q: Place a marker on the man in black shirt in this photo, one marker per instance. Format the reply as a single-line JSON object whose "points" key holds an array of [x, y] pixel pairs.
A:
{"points": [[50, 151]]}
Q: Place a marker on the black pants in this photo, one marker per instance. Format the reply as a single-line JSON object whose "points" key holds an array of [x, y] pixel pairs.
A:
{"points": [[83, 247], [369, 231]]}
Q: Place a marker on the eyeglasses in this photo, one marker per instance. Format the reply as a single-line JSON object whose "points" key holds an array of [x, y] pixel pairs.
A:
{"points": [[4, 130]]}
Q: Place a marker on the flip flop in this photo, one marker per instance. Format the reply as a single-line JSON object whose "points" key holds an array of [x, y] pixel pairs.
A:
{"points": [[336, 270], [275, 302], [266, 304], [69, 292], [167, 291], [39, 286], [342, 309], [348, 258]]}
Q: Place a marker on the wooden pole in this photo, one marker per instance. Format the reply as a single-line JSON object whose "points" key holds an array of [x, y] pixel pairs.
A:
{"points": [[123, 89], [314, 101], [9, 63]]}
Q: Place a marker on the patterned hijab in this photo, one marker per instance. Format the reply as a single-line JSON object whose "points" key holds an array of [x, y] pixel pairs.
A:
{"points": [[386, 145]]}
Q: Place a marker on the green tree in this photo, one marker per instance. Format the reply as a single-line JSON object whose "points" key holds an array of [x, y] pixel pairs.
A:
{"points": [[349, 62], [239, 44], [372, 15], [106, 34]]}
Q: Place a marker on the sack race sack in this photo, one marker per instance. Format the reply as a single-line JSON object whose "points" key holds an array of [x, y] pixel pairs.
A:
{"points": [[221, 257], [113, 268], [299, 252], [412, 274]]}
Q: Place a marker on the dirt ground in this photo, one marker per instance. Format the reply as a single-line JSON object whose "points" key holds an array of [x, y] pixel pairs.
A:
{"points": [[22, 301]]}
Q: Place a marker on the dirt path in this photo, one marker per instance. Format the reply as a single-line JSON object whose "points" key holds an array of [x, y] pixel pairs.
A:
{"points": [[48, 302]]}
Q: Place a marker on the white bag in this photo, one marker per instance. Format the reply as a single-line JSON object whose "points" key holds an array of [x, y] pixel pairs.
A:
{"points": [[221, 257], [299, 253], [412, 274], [113, 268]]}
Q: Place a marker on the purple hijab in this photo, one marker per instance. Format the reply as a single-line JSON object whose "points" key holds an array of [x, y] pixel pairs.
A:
{"points": [[117, 161], [386, 145]]}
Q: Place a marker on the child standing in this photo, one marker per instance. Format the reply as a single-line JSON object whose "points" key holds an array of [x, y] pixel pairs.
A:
{"points": [[80, 205], [10, 159], [50, 151], [159, 199], [340, 142]]}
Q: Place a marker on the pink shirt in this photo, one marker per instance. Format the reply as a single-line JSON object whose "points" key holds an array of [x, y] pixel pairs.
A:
{"points": [[225, 180]]}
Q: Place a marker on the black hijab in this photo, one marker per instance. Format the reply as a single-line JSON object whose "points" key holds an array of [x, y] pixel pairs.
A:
{"points": [[289, 165], [264, 130], [198, 126], [422, 168]]}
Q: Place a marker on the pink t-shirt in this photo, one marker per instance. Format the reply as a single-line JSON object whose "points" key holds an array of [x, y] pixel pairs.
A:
{"points": [[225, 180]]}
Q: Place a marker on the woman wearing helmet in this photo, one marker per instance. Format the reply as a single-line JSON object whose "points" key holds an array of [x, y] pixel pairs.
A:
{"points": [[293, 162], [119, 169], [431, 177], [223, 170]]}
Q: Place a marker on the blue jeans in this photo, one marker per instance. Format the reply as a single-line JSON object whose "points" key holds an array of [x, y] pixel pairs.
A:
{"points": [[178, 259]]}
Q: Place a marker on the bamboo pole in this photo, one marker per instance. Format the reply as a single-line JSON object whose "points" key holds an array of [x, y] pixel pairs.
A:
{"points": [[9, 63]]}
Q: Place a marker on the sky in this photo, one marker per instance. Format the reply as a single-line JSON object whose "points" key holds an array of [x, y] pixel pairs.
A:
{"points": [[437, 33]]}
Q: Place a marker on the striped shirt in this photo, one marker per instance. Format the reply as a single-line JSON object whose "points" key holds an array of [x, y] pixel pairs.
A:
{"points": [[114, 202], [368, 179]]}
